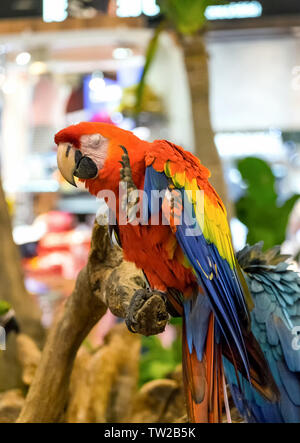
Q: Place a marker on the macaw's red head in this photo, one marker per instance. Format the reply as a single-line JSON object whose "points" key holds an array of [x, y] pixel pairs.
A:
{"points": [[91, 152]]}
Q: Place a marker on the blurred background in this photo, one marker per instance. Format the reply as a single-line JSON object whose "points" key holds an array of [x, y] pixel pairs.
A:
{"points": [[221, 79]]}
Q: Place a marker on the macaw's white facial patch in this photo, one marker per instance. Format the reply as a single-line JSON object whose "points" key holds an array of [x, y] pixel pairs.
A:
{"points": [[94, 146]]}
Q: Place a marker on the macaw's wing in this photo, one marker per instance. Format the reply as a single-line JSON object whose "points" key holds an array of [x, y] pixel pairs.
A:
{"points": [[275, 322], [204, 236]]}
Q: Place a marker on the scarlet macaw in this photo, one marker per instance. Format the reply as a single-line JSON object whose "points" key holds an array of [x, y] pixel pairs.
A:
{"points": [[198, 273]]}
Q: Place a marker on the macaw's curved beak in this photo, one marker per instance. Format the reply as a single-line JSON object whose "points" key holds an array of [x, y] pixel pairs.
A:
{"points": [[72, 163]]}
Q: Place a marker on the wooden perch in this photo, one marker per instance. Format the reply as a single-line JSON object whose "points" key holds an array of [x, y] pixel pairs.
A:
{"points": [[104, 382], [106, 281]]}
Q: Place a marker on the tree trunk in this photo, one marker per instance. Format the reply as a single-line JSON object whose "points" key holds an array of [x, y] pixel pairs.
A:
{"points": [[195, 57], [106, 281], [13, 291]]}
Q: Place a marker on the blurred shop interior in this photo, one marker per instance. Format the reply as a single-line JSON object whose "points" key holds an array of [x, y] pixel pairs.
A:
{"points": [[62, 62]]}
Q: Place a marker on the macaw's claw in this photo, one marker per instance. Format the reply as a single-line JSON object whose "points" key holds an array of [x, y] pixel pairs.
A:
{"points": [[124, 149], [147, 313]]}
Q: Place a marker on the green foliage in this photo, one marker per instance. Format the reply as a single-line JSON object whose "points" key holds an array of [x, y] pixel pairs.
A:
{"points": [[150, 54], [148, 101], [258, 208], [4, 307], [187, 16], [157, 361]]}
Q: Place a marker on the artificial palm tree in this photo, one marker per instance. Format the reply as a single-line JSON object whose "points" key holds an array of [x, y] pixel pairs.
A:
{"points": [[187, 18]]}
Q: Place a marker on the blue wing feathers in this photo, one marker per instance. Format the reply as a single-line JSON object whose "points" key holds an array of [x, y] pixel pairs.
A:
{"points": [[276, 293], [220, 283]]}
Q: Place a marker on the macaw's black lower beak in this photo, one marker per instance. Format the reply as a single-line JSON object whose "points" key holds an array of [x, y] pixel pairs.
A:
{"points": [[72, 163], [86, 168]]}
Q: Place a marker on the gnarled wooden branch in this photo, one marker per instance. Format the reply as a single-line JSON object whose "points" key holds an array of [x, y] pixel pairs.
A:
{"points": [[106, 281]]}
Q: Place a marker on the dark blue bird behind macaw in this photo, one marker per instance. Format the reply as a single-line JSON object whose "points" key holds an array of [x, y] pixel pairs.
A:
{"points": [[275, 321]]}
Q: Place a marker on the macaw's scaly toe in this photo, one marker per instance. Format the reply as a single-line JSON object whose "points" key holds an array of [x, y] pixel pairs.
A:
{"points": [[147, 313], [130, 198]]}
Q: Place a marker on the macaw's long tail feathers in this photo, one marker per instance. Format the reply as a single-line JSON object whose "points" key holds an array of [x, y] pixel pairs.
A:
{"points": [[203, 380], [260, 374]]}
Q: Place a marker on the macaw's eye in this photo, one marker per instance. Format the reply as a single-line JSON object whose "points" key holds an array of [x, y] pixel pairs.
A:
{"points": [[91, 141], [95, 140]]}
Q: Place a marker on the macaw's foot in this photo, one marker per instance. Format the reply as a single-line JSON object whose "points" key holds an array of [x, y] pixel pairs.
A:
{"points": [[130, 198], [147, 313]]}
